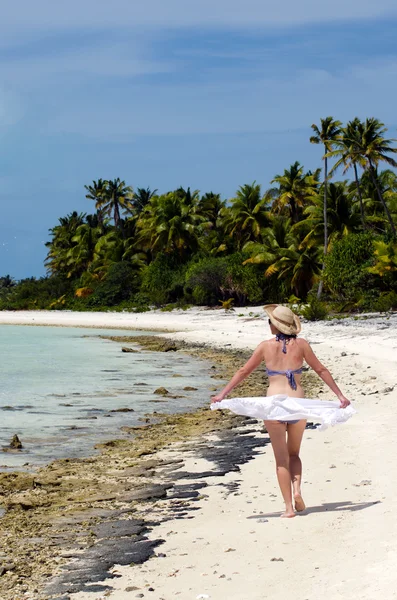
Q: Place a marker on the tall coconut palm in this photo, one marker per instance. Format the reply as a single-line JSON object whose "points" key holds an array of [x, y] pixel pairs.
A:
{"points": [[326, 134], [375, 148], [295, 189], [97, 192], [117, 199], [347, 150]]}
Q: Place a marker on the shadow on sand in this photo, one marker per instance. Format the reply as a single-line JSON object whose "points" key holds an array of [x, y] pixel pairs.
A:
{"points": [[326, 507]]}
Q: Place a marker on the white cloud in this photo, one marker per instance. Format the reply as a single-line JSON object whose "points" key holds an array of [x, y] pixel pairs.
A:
{"points": [[108, 59], [48, 16]]}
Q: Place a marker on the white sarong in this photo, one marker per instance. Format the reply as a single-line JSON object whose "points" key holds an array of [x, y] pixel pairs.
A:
{"points": [[287, 408]]}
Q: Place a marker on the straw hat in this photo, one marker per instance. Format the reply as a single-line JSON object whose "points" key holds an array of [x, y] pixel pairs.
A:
{"points": [[283, 318]]}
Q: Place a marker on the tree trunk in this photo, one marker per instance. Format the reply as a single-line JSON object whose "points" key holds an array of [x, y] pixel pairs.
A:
{"points": [[325, 205], [293, 211], [116, 215], [360, 197], [321, 284], [380, 196]]}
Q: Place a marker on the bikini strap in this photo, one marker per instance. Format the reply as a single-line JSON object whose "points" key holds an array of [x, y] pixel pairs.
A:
{"points": [[281, 337]]}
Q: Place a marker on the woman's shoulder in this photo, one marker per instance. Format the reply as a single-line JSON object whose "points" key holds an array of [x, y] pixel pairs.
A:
{"points": [[267, 345], [302, 343]]}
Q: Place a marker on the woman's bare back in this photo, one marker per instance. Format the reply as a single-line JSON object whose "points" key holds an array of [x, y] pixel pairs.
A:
{"points": [[276, 360]]}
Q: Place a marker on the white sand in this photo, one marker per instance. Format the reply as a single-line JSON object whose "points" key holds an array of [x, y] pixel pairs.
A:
{"points": [[345, 546]]}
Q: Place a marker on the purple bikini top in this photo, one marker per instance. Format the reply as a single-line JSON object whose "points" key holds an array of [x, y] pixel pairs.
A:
{"points": [[289, 373]]}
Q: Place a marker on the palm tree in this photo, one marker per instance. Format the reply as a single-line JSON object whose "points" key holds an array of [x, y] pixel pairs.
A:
{"points": [[142, 198], [117, 198], [7, 282], [210, 206], [168, 224], [110, 249], [294, 190], [341, 218], [348, 152], [386, 259], [97, 192], [284, 256], [57, 260], [375, 149], [375, 214], [274, 238], [248, 214], [81, 254], [326, 134]]}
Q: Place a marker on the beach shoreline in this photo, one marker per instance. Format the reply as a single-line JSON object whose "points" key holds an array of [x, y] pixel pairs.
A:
{"points": [[35, 500], [213, 551]]}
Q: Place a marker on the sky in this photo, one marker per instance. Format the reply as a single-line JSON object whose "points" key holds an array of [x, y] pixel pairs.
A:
{"points": [[210, 94]]}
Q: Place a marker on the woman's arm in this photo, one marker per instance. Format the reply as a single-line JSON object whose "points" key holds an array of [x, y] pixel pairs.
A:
{"points": [[322, 372], [241, 374]]}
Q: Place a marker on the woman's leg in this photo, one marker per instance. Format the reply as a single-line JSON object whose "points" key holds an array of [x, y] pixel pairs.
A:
{"points": [[276, 431], [294, 440]]}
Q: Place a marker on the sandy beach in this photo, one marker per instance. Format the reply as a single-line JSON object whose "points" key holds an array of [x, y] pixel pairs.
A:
{"points": [[231, 543]]}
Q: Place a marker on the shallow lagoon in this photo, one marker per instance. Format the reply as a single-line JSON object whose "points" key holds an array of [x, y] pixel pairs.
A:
{"points": [[60, 384]]}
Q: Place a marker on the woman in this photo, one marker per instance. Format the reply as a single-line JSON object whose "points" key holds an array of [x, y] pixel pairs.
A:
{"points": [[285, 410]]}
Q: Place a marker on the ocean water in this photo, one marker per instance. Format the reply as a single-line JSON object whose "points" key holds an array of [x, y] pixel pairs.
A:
{"points": [[60, 384]]}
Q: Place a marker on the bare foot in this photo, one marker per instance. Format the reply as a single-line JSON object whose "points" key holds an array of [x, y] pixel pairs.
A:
{"points": [[288, 514], [299, 503]]}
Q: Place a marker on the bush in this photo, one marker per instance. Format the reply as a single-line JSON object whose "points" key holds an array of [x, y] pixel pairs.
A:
{"points": [[346, 266], [315, 310], [373, 301], [163, 280], [204, 280], [120, 283], [140, 303], [217, 279], [32, 293], [245, 283]]}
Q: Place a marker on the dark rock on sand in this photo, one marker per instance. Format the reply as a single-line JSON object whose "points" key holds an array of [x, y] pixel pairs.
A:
{"points": [[94, 564], [122, 410], [117, 529], [170, 348], [153, 492], [16, 443], [125, 349], [161, 391]]}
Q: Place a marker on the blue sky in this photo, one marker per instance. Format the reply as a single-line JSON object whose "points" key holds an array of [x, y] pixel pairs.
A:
{"points": [[210, 94]]}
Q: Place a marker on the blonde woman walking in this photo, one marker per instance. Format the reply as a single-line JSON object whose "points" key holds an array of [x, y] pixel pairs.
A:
{"points": [[284, 409]]}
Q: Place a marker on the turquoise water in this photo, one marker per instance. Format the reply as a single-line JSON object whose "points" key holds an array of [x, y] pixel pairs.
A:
{"points": [[59, 386]]}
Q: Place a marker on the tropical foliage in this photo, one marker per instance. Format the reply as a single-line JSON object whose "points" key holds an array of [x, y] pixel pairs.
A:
{"points": [[307, 235]]}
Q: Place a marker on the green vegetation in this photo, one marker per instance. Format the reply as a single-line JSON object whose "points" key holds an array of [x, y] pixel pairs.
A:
{"points": [[306, 236]]}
